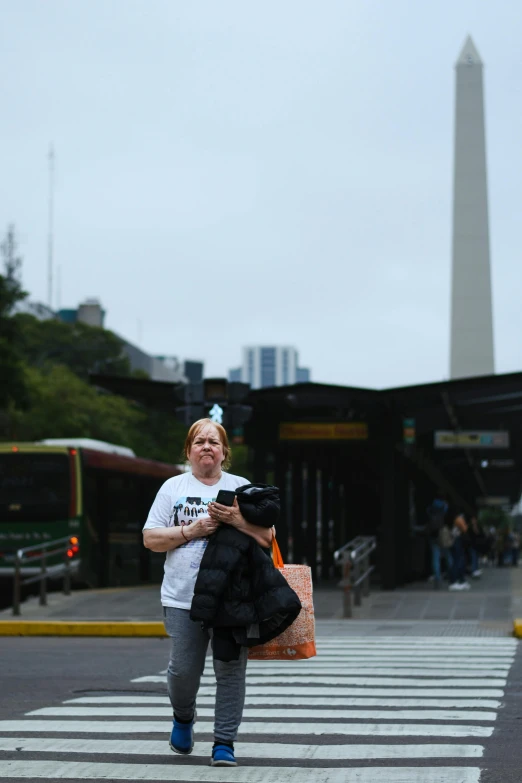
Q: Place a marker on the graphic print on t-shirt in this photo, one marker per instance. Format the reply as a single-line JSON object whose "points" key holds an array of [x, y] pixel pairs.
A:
{"points": [[185, 511]]}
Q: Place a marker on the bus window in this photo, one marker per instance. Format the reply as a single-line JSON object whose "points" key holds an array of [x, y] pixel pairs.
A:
{"points": [[34, 487]]}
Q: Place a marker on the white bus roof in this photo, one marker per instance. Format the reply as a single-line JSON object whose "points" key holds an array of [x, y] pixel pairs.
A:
{"points": [[89, 443]]}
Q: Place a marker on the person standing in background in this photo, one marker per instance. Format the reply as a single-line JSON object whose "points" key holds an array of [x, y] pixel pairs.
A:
{"points": [[458, 552], [476, 542], [436, 514], [515, 547]]}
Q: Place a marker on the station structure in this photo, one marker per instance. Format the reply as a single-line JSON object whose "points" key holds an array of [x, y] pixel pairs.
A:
{"points": [[354, 461]]}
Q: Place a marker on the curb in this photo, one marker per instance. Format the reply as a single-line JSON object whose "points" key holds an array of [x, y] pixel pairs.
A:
{"points": [[87, 628], [517, 628]]}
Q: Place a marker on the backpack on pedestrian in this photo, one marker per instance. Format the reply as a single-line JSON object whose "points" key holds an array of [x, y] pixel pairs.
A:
{"points": [[445, 538]]}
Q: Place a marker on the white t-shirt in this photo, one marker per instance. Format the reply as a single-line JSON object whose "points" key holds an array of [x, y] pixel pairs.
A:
{"points": [[180, 501]]}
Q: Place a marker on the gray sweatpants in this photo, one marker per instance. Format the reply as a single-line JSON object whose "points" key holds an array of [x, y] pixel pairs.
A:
{"points": [[189, 644]]}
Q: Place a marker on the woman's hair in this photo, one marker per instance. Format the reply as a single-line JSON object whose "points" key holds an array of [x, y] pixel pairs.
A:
{"points": [[222, 434]]}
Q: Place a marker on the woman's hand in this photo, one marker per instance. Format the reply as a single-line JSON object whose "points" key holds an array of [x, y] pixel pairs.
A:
{"points": [[231, 515], [202, 527], [228, 515]]}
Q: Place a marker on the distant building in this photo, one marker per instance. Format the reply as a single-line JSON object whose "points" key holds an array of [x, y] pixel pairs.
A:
{"points": [[190, 371], [158, 368], [155, 367], [193, 371], [68, 315], [269, 366], [89, 312]]}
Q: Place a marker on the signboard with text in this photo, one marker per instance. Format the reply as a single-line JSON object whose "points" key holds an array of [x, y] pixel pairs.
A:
{"points": [[494, 501], [472, 439], [353, 430]]}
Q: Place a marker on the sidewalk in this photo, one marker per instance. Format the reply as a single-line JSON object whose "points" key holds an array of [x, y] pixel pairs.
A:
{"points": [[487, 609]]}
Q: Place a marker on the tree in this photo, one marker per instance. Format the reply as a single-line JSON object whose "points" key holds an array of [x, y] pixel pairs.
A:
{"points": [[12, 388], [82, 348], [63, 405], [12, 264]]}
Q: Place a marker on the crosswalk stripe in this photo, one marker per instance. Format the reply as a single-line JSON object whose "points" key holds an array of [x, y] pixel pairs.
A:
{"points": [[253, 750], [353, 671], [248, 727], [416, 641], [416, 652], [392, 663], [433, 670], [203, 774], [341, 680], [443, 660], [318, 665], [388, 655], [344, 681], [443, 656], [271, 712], [333, 701], [416, 649], [277, 689], [443, 653]]}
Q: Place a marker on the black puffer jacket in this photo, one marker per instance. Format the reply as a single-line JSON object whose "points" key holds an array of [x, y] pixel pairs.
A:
{"points": [[239, 593], [259, 503]]}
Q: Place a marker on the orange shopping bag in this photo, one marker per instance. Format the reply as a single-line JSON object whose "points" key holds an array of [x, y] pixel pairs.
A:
{"points": [[298, 641]]}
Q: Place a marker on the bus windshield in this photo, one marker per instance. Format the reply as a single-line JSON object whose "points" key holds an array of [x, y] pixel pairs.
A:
{"points": [[34, 487]]}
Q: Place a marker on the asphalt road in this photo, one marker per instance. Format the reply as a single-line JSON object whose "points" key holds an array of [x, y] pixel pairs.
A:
{"points": [[503, 758], [44, 672]]}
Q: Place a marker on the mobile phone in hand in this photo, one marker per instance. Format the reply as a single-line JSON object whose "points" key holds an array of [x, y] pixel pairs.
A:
{"points": [[226, 497]]}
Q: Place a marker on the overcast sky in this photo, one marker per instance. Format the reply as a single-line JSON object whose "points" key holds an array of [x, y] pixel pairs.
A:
{"points": [[277, 172]]}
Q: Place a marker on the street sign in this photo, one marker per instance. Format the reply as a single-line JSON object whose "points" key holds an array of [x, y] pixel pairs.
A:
{"points": [[408, 431], [472, 439]]}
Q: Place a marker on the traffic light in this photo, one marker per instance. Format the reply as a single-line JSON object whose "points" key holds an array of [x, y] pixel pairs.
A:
{"points": [[214, 398], [238, 413], [189, 397], [215, 390]]}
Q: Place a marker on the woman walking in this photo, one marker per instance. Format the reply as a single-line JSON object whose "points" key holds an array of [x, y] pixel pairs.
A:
{"points": [[183, 516]]}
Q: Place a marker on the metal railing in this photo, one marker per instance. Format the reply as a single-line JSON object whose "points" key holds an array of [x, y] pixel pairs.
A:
{"points": [[41, 552], [354, 558]]}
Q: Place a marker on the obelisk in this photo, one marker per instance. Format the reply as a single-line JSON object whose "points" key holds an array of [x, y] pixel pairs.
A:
{"points": [[471, 348]]}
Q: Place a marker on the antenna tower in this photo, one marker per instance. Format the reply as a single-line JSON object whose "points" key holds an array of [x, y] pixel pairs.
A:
{"points": [[50, 236]]}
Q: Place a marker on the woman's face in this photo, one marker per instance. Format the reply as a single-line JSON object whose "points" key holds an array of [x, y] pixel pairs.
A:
{"points": [[206, 453]]}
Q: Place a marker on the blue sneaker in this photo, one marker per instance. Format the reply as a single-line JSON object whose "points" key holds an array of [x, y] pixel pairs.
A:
{"points": [[223, 756], [182, 737]]}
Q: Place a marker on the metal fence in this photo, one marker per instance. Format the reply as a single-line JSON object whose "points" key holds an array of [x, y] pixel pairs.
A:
{"points": [[66, 547], [354, 558]]}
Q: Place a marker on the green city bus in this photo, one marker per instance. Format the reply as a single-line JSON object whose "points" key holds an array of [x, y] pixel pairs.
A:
{"points": [[89, 490]]}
